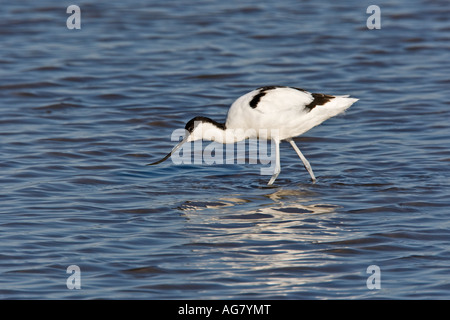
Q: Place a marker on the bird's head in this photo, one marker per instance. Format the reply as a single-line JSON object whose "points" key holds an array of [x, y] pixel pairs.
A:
{"points": [[198, 128], [203, 128]]}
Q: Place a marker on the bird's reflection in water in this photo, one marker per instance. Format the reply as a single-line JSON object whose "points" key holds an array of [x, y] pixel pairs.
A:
{"points": [[287, 214], [278, 241], [288, 201], [297, 201]]}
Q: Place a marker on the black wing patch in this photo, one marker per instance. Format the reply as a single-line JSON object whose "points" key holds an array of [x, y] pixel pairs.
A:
{"points": [[262, 92], [319, 100]]}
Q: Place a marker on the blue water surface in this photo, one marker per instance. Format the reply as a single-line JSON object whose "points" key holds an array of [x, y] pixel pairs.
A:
{"points": [[83, 110]]}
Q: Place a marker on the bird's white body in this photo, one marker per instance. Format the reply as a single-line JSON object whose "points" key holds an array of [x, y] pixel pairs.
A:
{"points": [[274, 112], [281, 111]]}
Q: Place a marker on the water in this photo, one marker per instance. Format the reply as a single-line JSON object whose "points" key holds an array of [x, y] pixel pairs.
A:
{"points": [[83, 111]]}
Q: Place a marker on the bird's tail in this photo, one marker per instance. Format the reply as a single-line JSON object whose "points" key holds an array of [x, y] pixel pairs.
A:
{"points": [[338, 105], [326, 111]]}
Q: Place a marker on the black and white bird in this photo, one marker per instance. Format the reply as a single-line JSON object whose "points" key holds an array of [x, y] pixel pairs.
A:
{"points": [[274, 113]]}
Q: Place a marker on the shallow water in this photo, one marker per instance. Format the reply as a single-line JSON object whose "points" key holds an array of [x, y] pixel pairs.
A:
{"points": [[83, 111]]}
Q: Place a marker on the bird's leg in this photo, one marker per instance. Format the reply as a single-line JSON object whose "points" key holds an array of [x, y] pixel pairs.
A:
{"points": [[302, 157], [277, 169]]}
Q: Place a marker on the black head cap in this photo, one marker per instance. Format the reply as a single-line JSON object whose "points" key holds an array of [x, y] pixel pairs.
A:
{"points": [[192, 123]]}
